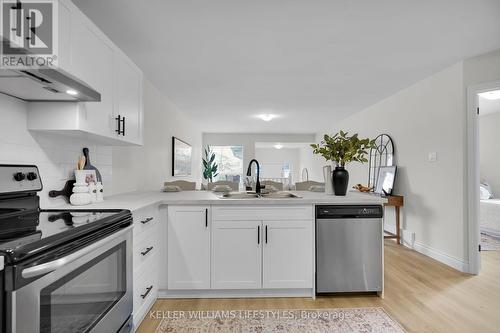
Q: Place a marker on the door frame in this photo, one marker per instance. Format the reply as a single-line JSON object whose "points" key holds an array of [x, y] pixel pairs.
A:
{"points": [[473, 172]]}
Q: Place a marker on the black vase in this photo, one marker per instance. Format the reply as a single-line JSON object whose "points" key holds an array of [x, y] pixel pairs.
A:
{"points": [[340, 180]]}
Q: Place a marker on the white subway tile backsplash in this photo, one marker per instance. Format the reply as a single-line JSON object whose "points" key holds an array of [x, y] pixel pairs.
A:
{"points": [[54, 154]]}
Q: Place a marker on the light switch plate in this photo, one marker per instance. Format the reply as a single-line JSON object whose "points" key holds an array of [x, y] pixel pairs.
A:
{"points": [[432, 157]]}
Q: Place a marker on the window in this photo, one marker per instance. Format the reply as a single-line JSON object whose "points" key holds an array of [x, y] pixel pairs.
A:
{"points": [[230, 162], [285, 170]]}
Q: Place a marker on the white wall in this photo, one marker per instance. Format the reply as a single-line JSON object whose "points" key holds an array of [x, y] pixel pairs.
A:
{"points": [[279, 157], [248, 140], [426, 117], [313, 163], [149, 166], [489, 151], [55, 155], [430, 116]]}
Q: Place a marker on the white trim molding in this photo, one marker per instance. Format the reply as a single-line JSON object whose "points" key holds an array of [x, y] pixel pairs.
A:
{"points": [[442, 257], [236, 293], [471, 194]]}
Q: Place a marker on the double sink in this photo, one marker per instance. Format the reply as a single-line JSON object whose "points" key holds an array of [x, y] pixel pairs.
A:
{"points": [[253, 195]]}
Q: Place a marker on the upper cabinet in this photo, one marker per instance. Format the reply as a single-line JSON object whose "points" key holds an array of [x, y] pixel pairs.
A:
{"points": [[128, 98], [92, 62], [64, 28], [87, 54]]}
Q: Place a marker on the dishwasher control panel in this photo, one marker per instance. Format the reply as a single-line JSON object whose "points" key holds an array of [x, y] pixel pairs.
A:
{"points": [[349, 211]]}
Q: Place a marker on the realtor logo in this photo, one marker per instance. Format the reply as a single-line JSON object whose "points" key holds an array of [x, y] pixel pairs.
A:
{"points": [[29, 34]]}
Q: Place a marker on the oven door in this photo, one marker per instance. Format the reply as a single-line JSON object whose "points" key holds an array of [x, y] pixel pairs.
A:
{"points": [[89, 290]]}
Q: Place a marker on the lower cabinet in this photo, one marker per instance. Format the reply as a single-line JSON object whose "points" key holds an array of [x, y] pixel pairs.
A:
{"points": [[236, 255], [262, 254], [239, 248], [287, 258], [188, 247], [146, 255]]}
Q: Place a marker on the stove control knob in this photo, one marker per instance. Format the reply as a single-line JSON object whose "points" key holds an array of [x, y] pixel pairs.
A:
{"points": [[31, 176], [19, 176]]}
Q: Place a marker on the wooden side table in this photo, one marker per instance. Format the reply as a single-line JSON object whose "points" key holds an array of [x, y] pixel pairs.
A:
{"points": [[396, 201]]}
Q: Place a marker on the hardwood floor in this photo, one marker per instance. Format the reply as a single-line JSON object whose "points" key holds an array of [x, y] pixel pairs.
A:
{"points": [[421, 294]]}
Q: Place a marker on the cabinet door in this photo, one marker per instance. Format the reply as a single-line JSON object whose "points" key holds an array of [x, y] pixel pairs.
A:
{"points": [[236, 254], [128, 98], [64, 27], [287, 254], [92, 62], [188, 247]]}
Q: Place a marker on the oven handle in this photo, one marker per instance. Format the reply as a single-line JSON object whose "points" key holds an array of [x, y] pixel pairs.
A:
{"points": [[53, 265]]}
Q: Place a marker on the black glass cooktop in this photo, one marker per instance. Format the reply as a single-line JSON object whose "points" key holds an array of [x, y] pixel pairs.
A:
{"points": [[25, 235]]}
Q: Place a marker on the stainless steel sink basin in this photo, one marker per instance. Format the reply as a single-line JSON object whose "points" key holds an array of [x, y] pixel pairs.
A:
{"points": [[240, 195], [280, 195], [251, 195]]}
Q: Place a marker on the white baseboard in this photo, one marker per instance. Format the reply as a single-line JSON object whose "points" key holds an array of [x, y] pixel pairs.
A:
{"points": [[442, 257], [253, 293]]}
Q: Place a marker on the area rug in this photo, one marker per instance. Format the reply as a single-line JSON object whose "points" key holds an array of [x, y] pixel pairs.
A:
{"points": [[356, 320], [489, 243]]}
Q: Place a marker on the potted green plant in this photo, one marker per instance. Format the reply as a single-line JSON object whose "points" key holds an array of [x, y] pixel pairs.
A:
{"points": [[209, 166], [343, 149]]}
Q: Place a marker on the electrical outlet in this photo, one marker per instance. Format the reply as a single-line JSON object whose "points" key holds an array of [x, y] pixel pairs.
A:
{"points": [[432, 157]]}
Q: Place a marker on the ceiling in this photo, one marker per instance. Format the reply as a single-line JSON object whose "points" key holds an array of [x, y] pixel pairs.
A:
{"points": [[487, 106], [311, 62]]}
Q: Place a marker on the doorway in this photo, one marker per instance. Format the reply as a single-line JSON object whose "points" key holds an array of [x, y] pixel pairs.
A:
{"points": [[489, 163], [483, 203]]}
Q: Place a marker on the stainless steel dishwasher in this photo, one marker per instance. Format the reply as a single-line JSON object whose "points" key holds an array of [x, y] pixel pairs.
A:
{"points": [[349, 249]]}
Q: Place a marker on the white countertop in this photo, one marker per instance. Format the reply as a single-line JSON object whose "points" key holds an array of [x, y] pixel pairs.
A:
{"points": [[137, 200]]}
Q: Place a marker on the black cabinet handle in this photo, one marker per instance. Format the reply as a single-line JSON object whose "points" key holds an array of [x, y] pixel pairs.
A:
{"points": [[258, 234], [119, 119], [148, 249], [148, 290], [149, 219], [206, 217], [266, 234], [123, 123]]}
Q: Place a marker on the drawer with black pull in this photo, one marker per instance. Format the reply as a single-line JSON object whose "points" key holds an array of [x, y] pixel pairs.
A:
{"points": [[145, 219], [145, 288], [146, 250]]}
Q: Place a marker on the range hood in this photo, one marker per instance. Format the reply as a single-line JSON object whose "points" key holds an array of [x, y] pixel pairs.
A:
{"points": [[44, 85]]}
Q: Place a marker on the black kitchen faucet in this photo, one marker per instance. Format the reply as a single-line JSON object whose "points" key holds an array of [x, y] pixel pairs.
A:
{"points": [[249, 173]]}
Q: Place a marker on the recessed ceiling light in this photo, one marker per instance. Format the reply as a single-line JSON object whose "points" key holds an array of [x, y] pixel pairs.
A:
{"points": [[491, 95], [267, 116], [71, 92], [278, 146]]}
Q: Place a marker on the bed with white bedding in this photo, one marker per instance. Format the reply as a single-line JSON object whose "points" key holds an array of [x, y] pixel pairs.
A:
{"points": [[490, 216]]}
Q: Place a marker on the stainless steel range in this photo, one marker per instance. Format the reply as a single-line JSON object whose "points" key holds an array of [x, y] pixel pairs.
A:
{"points": [[61, 271]]}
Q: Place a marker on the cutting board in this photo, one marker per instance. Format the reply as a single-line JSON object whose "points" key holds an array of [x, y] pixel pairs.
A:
{"points": [[89, 166]]}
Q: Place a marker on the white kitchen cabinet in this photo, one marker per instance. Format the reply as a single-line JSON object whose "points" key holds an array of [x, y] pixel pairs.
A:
{"points": [[64, 37], [268, 247], [236, 254], [188, 247], [128, 98], [92, 62], [287, 254], [146, 259], [87, 54]]}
